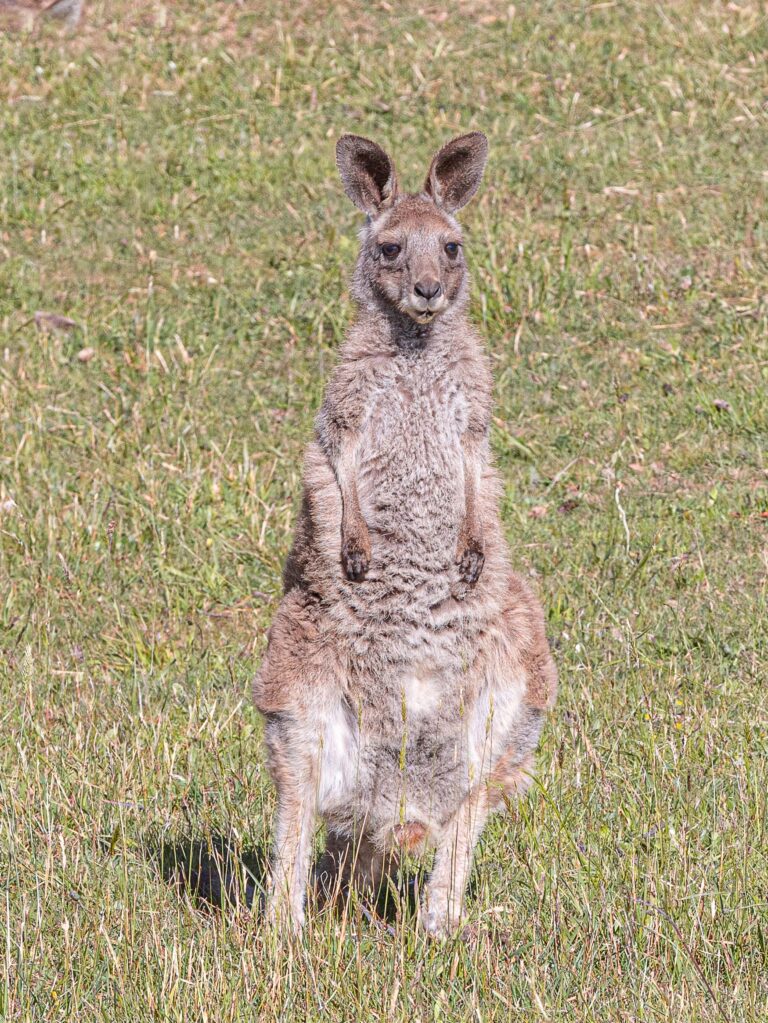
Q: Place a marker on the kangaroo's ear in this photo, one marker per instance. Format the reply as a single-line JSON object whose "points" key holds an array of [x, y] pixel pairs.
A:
{"points": [[457, 170], [367, 173]]}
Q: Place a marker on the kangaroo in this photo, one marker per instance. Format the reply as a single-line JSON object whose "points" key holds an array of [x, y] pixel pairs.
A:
{"points": [[407, 670], [68, 11]]}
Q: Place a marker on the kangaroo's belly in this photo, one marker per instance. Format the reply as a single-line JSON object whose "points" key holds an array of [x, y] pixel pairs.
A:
{"points": [[398, 751], [393, 783]]}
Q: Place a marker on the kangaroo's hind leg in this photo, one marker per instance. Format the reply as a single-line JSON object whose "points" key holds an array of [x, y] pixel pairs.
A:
{"points": [[293, 771], [519, 653], [298, 678], [444, 897]]}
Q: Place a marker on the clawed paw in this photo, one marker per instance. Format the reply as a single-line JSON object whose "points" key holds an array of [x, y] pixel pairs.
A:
{"points": [[470, 561], [355, 560]]}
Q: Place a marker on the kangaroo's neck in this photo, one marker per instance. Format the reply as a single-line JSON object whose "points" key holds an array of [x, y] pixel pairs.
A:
{"points": [[385, 330]]}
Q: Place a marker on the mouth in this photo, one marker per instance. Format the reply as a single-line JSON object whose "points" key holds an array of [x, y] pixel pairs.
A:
{"points": [[425, 315]]}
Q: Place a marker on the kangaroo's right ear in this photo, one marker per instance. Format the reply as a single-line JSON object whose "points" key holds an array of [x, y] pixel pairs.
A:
{"points": [[457, 170], [367, 173]]}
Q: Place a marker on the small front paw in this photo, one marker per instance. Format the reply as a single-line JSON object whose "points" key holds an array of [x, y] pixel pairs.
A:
{"points": [[356, 559], [470, 560]]}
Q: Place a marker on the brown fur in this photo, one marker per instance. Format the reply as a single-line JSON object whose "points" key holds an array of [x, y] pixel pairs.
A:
{"points": [[407, 671], [68, 11]]}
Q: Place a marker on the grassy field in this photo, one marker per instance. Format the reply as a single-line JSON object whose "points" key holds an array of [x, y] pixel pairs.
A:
{"points": [[167, 183]]}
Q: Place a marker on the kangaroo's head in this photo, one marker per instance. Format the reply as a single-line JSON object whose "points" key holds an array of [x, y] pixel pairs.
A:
{"points": [[411, 257]]}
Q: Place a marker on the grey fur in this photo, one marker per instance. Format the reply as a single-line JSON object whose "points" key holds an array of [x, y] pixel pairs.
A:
{"points": [[407, 668]]}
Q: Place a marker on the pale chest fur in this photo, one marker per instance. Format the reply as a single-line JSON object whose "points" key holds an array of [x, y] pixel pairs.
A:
{"points": [[411, 473]]}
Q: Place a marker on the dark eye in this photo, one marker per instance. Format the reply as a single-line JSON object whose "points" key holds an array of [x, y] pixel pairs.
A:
{"points": [[452, 249], [390, 250]]}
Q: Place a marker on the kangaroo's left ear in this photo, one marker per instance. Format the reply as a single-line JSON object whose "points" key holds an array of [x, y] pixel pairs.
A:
{"points": [[457, 170], [367, 173]]}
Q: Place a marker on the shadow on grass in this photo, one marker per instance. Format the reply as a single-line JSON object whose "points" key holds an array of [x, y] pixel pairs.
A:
{"points": [[218, 876], [213, 872]]}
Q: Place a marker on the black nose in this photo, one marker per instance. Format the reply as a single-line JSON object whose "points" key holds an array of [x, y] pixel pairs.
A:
{"points": [[427, 289]]}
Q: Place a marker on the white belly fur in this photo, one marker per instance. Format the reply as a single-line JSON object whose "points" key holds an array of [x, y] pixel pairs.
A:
{"points": [[338, 759], [487, 726]]}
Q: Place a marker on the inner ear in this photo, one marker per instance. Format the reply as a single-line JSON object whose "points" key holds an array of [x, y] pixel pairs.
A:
{"points": [[367, 173], [457, 170]]}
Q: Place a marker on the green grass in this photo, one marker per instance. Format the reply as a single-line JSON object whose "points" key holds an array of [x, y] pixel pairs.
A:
{"points": [[167, 181]]}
